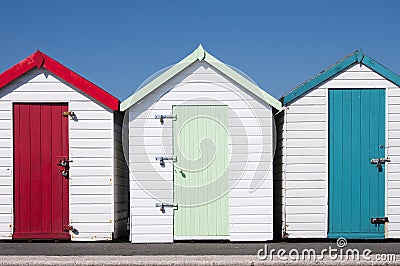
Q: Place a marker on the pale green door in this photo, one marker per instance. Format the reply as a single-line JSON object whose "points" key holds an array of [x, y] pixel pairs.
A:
{"points": [[201, 185]]}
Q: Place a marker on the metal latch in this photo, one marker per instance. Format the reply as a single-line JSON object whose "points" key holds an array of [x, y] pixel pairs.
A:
{"points": [[379, 220], [69, 113], [162, 117], [163, 159], [163, 205], [379, 162], [64, 162]]}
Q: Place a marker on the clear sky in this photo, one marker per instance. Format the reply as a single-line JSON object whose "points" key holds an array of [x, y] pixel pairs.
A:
{"points": [[279, 44]]}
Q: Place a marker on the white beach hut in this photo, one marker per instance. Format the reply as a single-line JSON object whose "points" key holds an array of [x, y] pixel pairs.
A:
{"points": [[200, 154], [62, 170], [338, 154]]}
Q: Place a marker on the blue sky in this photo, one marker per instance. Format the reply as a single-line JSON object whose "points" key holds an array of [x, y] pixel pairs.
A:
{"points": [[279, 44]]}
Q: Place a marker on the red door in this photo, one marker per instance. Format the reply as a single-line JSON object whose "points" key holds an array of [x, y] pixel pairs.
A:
{"points": [[41, 196]]}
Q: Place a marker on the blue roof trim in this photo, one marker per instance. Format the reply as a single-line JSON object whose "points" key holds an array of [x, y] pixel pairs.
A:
{"points": [[380, 69], [357, 56]]}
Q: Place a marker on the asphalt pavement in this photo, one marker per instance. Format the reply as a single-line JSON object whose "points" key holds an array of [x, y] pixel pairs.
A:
{"points": [[197, 253], [186, 248]]}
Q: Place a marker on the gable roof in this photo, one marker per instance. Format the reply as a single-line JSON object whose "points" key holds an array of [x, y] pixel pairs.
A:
{"points": [[356, 57], [200, 55], [39, 60]]}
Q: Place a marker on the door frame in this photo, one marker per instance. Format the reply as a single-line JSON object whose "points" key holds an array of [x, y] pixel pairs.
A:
{"points": [[327, 153], [12, 103], [222, 237]]}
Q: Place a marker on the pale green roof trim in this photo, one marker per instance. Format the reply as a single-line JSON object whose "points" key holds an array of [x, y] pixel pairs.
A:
{"points": [[200, 54]]}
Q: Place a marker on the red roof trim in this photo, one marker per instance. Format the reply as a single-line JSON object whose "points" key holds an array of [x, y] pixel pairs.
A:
{"points": [[39, 59]]}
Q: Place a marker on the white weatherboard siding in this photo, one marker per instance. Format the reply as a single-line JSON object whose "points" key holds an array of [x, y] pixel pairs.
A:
{"points": [[307, 148], [250, 154], [91, 148]]}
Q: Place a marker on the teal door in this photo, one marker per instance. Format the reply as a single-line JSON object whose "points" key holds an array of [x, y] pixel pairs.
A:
{"points": [[201, 185], [356, 187]]}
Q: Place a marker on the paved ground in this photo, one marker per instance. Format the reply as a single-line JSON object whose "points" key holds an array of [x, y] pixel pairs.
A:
{"points": [[128, 249], [107, 254]]}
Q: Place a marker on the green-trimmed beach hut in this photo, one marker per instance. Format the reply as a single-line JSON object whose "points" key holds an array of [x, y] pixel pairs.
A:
{"points": [[200, 154]]}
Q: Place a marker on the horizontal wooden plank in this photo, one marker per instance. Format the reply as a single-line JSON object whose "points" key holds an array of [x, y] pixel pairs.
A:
{"points": [[154, 220], [95, 236], [299, 117], [165, 195], [6, 199], [91, 153], [94, 227], [305, 193], [91, 181], [251, 219], [306, 217], [358, 75], [237, 202], [290, 210], [152, 238], [89, 134], [305, 100], [290, 184], [91, 208], [93, 190], [357, 84], [92, 218], [251, 236], [306, 176], [6, 209], [304, 151], [6, 218], [88, 199], [245, 193], [306, 159], [5, 133], [309, 201], [307, 126], [92, 124], [83, 162], [6, 180], [301, 168], [150, 211], [249, 210], [87, 105], [6, 162], [6, 190], [90, 171], [306, 109], [306, 234], [250, 228]]}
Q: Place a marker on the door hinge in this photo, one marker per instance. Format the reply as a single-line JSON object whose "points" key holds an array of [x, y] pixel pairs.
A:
{"points": [[379, 220], [67, 228], [162, 159], [163, 205], [162, 117]]}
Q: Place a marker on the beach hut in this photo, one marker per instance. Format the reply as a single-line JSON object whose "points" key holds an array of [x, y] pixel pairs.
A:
{"points": [[62, 170], [338, 153], [200, 154]]}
